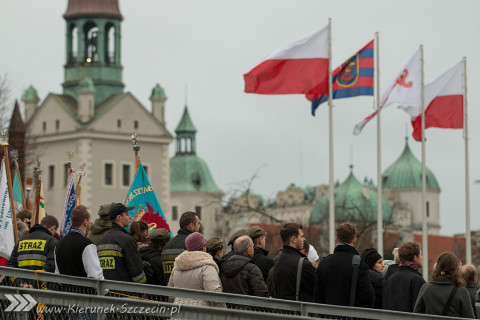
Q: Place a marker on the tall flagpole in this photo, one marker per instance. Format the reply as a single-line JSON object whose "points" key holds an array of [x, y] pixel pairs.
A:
{"points": [[331, 198], [424, 177], [9, 184], [468, 235], [379, 152]]}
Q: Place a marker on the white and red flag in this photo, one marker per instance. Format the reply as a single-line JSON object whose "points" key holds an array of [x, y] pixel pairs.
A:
{"points": [[299, 67], [405, 90], [7, 239], [444, 101]]}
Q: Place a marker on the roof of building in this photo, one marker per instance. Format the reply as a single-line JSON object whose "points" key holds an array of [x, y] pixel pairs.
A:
{"points": [[93, 8], [406, 172], [186, 124], [16, 121], [30, 94], [158, 92], [353, 201], [190, 173]]}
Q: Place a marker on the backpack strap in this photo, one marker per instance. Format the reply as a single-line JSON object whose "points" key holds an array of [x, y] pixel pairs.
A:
{"points": [[355, 263], [449, 301], [299, 277]]}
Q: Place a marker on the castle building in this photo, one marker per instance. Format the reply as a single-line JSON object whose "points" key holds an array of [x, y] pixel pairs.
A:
{"points": [[94, 118]]}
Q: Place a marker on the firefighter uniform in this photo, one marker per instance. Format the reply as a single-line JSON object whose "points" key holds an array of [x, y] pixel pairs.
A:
{"points": [[119, 256], [35, 251], [172, 250]]}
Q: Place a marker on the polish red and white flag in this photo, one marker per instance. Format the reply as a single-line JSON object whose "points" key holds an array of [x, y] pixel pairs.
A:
{"points": [[299, 67], [404, 89], [444, 100]]}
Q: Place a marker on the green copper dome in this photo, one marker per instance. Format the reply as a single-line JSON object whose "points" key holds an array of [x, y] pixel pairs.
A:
{"points": [[190, 173], [406, 172], [353, 201], [158, 93], [186, 124], [86, 85], [30, 94]]}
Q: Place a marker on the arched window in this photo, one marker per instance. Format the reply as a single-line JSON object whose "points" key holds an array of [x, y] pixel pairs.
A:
{"points": [[73, 44], [189, 145], [91, 46], [110, 43]]}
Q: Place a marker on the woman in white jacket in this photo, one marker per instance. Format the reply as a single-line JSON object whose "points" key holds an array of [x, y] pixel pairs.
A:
{"points": [[195, 269]]}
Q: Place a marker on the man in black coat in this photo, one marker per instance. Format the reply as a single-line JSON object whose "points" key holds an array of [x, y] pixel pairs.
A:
{"points": [[285, 272], [401, 289], [260, 258], [189, 223], [152, 256], [333, 282], [239, 275]]}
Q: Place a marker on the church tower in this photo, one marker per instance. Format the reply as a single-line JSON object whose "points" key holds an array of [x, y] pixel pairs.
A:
{"points": [[93, 38]]}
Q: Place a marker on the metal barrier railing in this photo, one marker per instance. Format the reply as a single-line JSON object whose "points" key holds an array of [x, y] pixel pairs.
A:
{"points": [[60, 290]]}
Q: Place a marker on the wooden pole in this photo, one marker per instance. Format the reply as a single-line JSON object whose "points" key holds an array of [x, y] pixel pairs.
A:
{"points": [[10, 191]]}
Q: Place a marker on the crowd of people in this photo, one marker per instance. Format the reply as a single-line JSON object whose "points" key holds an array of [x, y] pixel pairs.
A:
{"points": [[106, 250]]}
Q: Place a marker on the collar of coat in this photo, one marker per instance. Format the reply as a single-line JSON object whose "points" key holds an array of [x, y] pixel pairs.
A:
{"points": [[442, 280], [345, 248], [291, 250], [119, 227], [189, 260]]}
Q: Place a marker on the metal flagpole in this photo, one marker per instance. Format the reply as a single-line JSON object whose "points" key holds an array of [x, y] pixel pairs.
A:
{"points": [[379, 153], [424, 178], [468, 235], [331, 197]]}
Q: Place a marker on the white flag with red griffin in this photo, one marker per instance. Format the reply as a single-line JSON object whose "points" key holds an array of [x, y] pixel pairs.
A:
{"points": [[405, 90], [7, 240]]}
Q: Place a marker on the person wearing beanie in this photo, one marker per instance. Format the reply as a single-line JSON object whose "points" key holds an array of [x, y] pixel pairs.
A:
{"points": [[195, 269], [102, 224], [375, 263]]}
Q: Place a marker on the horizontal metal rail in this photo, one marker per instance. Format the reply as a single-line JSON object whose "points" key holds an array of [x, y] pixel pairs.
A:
{"points": [[267, 308]]}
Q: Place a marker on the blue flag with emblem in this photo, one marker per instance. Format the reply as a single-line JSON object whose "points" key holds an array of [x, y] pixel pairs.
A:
{"points": [[17, 193], [70, 203], [353, 78], [143, 198]]}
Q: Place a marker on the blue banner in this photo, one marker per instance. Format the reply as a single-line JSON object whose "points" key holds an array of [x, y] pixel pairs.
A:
{"points": [[143, 198], [70, 203]]}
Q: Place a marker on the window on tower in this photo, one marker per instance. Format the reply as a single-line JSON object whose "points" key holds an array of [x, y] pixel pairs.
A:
{"points": [[110, 41], [91, 45]]}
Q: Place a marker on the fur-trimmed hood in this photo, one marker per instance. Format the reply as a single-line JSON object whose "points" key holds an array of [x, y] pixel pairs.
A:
{"points": [[189, 260]]}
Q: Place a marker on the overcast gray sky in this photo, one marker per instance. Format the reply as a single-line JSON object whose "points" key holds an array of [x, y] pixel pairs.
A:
{"points": [[210, 44]]}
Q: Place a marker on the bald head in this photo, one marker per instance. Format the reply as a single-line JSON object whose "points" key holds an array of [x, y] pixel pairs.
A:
{"points": [[243, 245]]}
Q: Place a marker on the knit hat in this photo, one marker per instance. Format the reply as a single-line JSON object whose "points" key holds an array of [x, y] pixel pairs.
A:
{"points": [[371, 256], [241, 232], [195, 242]]}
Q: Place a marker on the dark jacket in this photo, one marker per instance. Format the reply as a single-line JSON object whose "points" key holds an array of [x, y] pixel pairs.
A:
{"points": [[35, 251], [153, 256], [401, 290], [377, 281], [119, 256], [472, 291], [434, 295], [99, 228], [261, 259], [334, 279], [391, 270], [285, 276], [171, 250], [239, 275]]}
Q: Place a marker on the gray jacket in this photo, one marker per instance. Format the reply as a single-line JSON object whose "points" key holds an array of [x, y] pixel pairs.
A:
{"points": [[434, 295]]}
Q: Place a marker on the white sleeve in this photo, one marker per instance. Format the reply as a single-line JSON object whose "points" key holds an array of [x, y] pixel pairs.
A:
{"points": [[91, 263]]}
